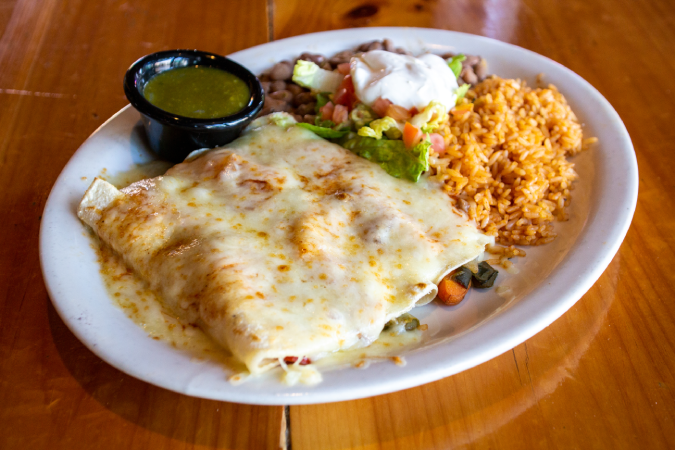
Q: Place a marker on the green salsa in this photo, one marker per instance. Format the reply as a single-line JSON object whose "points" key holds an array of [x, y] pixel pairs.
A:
{"points": [[197, 92]]}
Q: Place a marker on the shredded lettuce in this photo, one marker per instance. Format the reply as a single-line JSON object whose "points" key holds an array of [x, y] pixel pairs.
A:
{"points": [[321, 99], [280, 119], [455, 64], [461, 91], [361, 115], [324, 132], [323, 123], [431, 117], [309, 75], [377, 127], [391, 155], [394, 132]]}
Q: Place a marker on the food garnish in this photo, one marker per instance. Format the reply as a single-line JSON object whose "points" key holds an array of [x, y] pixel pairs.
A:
{"points": [[485, 277], [309, 75], [455, 64], [404, 322], [454, 286], [353, 107], [392, 155], [324, 132]]}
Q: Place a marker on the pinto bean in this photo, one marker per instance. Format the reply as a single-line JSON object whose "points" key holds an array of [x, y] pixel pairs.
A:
{"points": [[278, 85], [468, 75], [345, 54], [306, 108], [313, 57], [302, 98], [342, 57], [266, 86], [480, 70], [309, 118], [388, 45], [284, 95], [471, 60], [337, 60], [273, 105], [364, 47], [281, 71], [294, 88], [375, 46]]}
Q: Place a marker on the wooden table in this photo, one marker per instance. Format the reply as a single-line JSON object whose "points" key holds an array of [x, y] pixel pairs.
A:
{"points": [[602, 376]]}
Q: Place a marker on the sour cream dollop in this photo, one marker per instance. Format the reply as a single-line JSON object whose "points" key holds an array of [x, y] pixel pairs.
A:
{"points": [[404, 80]]}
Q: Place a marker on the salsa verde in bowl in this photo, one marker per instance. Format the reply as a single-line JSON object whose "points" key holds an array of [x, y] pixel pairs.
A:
{"points": [[190, 99]]}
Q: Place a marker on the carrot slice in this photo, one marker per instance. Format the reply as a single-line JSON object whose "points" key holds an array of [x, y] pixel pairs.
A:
{"points": [[450, 291], [411, 135], [462, 109]]}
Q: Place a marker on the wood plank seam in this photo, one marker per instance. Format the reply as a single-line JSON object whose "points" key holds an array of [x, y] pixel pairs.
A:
{"points": [[270, 20], [285, 438]]}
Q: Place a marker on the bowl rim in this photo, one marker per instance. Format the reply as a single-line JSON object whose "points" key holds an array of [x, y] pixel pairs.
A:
{"points": [[138, 101]]}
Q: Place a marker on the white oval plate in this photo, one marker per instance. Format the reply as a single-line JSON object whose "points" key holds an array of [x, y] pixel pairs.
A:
{"points": [[551, 279]]}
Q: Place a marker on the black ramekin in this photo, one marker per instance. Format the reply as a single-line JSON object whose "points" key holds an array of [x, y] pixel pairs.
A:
{"points": [[172, 136]]}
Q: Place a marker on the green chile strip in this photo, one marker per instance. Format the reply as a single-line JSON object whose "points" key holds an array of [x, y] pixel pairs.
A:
{"points": [[485, 277]]}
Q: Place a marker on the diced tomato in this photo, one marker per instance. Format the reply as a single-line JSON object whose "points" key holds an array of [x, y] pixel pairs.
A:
{"points": [[437, 143], [340, 114], [398, 113], [343, 68], [293, 359], [345, 93], [327, 111], [411, 135], [380, 106], [414, 111]]}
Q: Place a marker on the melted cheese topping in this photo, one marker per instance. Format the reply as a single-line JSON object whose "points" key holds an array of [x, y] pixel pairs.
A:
{"points": [[141, 304], [283, 244]]}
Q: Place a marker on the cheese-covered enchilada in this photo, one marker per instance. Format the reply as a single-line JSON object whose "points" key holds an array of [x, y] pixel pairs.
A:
{"points": [[282, 244]]}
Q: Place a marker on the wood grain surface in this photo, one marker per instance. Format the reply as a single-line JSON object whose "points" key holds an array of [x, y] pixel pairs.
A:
{"points": [[61, 68], [602, 376]]}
